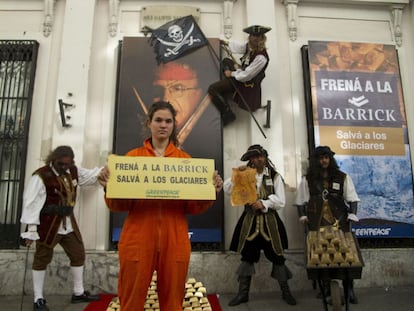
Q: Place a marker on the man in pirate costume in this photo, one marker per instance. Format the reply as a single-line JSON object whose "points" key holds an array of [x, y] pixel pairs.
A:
{"points": [[48, 203], [246, 78], [260, 227], [327, 197]]}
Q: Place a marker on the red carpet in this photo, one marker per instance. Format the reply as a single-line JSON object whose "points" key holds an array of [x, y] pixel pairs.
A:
{"points": [[102, 304], [214, 302]]}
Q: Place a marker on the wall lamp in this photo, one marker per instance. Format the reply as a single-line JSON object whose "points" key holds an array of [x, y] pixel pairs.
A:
{"points": [[267, 107], [63, 116]]}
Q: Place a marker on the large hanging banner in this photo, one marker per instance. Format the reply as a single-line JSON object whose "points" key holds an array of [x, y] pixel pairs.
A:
{"points": [[358, 110], [182, 82]]}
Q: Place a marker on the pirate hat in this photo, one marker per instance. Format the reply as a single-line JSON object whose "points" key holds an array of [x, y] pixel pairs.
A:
{"points": [[253, 150], [256, 30]]}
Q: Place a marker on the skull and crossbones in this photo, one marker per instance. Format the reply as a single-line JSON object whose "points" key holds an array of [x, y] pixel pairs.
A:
{"points": [[178, 38], [175, 33]]}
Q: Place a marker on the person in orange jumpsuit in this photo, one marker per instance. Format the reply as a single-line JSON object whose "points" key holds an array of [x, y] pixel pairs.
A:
{"points": [[155, 233]]}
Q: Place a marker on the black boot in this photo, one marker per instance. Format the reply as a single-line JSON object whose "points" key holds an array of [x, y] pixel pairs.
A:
{"points": [[286, 294], [326, 287], [243, 294], [228, 64], [227, 115], [352, 297]]}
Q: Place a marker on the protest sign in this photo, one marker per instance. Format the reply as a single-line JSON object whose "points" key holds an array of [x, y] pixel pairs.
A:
{"points": [[160, 178]]}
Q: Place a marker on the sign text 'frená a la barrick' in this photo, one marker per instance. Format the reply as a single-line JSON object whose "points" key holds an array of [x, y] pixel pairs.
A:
{"points": [[160, 178]]}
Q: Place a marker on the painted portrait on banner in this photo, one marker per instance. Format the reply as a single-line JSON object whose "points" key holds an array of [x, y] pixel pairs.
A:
{"points": [[357, 108], [183, 82]]}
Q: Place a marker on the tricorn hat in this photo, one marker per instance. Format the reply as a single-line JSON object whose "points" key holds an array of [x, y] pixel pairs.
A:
{"points": [[256, 30], [253, 150]]}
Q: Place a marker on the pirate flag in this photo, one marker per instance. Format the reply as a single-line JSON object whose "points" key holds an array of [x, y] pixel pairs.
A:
{"points": [[176, 38]]}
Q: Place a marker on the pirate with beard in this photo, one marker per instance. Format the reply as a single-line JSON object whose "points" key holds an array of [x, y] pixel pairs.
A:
{"points": [[48, 202], [260, 227], [327, 197]]}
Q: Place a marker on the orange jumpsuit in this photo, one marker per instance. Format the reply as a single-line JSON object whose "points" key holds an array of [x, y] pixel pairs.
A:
{"points": [[154, 237]]}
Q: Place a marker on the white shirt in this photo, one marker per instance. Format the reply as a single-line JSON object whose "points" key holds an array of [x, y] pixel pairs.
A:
{"points": [[350, 195], [253, 69], [34, 198], [302, 194]]}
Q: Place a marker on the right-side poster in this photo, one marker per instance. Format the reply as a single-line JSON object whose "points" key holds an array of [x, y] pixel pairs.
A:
{"points": [[356, 106]]}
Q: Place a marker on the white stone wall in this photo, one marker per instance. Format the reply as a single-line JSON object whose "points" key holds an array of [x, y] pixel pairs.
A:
{"points": [[383, 269]]}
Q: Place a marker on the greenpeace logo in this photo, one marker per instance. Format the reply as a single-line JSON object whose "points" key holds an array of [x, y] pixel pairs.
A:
{"points": [[372, 231]]}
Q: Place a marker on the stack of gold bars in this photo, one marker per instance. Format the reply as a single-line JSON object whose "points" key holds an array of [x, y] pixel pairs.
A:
{"points": [[331, 247], [195, 297]]}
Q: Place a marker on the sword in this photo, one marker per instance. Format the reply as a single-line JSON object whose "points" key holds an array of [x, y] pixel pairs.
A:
{"points": [[24, 276], [141, 102], [189, 125]]}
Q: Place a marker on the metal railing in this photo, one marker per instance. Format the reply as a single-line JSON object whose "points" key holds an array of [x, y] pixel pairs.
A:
{"points": [[17, 73]]}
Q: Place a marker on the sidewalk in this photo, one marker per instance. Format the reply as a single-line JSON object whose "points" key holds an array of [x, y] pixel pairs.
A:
{"points": [[378, 299]]}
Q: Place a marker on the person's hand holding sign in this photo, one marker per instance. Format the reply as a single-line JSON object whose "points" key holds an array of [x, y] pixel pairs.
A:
{"points": [[218, 181], [103, 176]]}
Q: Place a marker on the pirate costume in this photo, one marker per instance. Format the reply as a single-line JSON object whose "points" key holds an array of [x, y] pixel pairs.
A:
{"points": [[327, 199], [246, 79], [261, 230], [48, 204]]}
